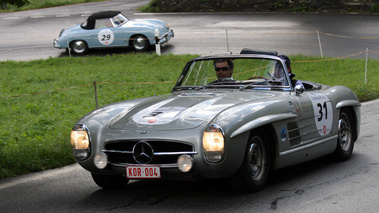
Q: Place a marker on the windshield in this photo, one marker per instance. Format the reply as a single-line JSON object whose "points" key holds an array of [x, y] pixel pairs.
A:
{"points": [[119, 20], [247, 72]]}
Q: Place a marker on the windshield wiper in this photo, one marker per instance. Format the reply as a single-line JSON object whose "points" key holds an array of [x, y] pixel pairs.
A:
{"points": [[251, 85]]}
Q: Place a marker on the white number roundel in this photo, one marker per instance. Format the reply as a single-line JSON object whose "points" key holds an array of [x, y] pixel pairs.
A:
{"points": [[105, 37], [323, 112]]}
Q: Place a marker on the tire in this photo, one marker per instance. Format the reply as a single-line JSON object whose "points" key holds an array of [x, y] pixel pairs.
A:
{"points": [[345, 142], [109, 181], [79, 47], [139, 43], [253, 174]]}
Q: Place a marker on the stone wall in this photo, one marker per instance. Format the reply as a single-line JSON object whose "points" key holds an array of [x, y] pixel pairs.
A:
{"points": [[261, 5]]}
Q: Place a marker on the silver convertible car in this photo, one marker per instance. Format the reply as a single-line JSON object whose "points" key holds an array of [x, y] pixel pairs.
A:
{"points": [[237, 127], [112, 29]]}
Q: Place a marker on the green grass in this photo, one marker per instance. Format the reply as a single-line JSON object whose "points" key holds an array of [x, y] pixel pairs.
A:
{"points": [[35, 124], [347, 72]]}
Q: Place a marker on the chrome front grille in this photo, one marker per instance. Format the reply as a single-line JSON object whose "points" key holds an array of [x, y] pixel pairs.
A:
{"points": [[146, 152]]}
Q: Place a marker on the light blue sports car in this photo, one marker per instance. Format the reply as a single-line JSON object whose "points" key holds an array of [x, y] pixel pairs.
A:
{"points": [[110, 29]]}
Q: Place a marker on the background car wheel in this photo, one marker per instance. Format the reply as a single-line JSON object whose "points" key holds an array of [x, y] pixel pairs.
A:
{"points": [[109, 181], [79, 47], [254, 171], [345, 143], [140, 43]]}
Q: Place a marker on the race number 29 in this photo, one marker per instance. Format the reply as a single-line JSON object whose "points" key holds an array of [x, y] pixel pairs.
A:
{"points": [[106, 37], [323, 112]]}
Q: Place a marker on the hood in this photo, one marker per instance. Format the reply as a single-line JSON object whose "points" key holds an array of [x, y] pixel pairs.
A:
{"points": [[73, 29], [147, 23], [183, 111]]}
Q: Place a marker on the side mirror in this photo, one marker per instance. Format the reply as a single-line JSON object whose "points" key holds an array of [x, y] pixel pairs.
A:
{"points": [[299, 89]]}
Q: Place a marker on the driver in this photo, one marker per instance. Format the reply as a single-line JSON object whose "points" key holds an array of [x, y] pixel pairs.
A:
{"points": [[224, 69]]}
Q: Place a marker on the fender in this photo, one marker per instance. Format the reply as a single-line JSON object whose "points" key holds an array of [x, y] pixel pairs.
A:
{"points": [[357, 115], [262, 121], [346, 103]]}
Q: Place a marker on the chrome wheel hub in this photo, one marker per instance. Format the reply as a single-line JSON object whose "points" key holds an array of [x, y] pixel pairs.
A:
{"points": [[344, 133], [79, 46], [257, 159]]}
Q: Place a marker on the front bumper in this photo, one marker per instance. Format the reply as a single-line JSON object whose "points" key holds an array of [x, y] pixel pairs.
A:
{"points": [[55, 44], [166, 37], [56, 40]]}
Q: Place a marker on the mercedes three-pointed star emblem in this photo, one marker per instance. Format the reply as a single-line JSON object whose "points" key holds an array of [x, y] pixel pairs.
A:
{"points": [[143, 153]]}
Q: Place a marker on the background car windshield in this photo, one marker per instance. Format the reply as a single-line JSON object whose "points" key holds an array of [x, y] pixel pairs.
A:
{"points": [[262, 72], [119, 20]]}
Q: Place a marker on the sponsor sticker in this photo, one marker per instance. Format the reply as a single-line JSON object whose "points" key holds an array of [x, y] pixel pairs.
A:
{"points": [[159, 115], [283, 134]]}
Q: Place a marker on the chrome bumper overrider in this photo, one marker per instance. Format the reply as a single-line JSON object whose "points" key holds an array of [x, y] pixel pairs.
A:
{"points": [[55, 44], [166, 37]]}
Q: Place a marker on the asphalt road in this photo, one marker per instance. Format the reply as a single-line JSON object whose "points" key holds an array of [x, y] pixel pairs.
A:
{"points": [[29, 35], [318, 186]]}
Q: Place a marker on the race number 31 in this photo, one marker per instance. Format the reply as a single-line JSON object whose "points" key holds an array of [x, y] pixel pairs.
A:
{"points": [[323, 113]]}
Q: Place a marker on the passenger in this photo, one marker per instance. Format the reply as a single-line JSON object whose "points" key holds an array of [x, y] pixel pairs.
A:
{"points": [[287, 61]]}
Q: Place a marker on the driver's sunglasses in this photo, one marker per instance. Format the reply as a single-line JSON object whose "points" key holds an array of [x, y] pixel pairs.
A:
{"points": [[221, 68]]}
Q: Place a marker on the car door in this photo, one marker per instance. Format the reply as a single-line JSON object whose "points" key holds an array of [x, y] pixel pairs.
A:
{"points": [[106, 35], [315, 116]]}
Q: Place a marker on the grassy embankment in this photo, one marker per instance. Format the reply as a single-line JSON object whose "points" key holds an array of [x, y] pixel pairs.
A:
{"points": [[35, 128]]}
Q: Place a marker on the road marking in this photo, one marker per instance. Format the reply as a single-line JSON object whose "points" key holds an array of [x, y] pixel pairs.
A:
{"points": [[15, 17], [63, 15], [37, 17], [40, 16]]}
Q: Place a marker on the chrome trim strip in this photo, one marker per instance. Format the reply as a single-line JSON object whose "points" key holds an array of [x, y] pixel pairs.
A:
{"points": [[294, 137], [175, 153], [155, 153], [117, 151], [302, 146]]}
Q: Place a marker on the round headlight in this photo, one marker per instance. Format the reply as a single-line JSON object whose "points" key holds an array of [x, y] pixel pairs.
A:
{"points": [[101, 160], [185, 163], [213, 143]]}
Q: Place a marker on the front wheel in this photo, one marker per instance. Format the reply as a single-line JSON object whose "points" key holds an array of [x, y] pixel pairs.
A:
{"points": [[139, 43], [345, 142], [254, 171], [109, 181], [79, 47]]}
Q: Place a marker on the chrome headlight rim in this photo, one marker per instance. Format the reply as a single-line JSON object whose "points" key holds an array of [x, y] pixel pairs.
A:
{"points": [[81, 154], [213, 156]]}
